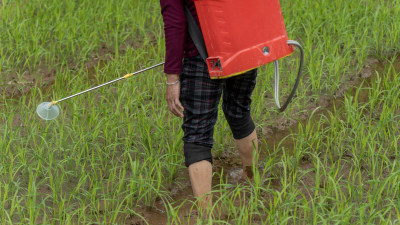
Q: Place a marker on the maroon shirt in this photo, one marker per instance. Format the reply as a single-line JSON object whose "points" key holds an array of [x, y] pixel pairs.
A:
{"points": [[178, 43]]}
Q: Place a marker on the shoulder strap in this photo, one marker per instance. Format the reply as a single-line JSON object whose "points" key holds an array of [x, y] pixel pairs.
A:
{"points": [[195, 33]]}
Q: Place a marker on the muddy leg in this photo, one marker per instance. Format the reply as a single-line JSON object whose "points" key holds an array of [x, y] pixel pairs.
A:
{"points": [[246, 147], [200, 174]]}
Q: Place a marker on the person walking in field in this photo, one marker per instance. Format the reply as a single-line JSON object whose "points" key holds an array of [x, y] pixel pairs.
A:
{"points": [[192, 95]]}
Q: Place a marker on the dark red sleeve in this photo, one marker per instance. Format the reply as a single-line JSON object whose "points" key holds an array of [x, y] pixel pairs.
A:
{"points": [[175, 31]]}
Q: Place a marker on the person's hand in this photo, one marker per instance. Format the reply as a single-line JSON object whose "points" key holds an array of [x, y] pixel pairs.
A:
{"points": [[172, 95]]}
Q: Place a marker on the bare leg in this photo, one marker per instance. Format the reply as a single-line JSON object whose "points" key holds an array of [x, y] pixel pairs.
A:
{"points": [[200, 174], [246, 147]]}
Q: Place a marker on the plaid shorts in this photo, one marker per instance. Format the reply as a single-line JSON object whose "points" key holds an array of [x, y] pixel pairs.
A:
{"points": [[200, 97]]}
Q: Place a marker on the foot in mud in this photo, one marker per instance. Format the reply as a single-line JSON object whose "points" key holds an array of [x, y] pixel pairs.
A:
{"points": [[236, 176], [199, 218], [239, 176], [192, 214]]}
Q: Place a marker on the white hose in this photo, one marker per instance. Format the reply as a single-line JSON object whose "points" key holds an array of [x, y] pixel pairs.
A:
{"points": [[276, 67]]}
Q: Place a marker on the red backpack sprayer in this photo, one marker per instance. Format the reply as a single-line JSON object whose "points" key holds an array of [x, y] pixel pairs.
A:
{"points": [[236, 36]]}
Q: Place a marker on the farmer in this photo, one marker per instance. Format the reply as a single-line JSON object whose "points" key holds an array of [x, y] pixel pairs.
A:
{"points": [[192, 95]]}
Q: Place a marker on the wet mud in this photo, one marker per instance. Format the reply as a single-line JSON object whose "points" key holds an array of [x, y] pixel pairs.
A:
{"points": [[283, 126], [17, 83], [229, 162]]}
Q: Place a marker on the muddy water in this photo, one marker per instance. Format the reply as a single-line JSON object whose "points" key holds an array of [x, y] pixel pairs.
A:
{"points": [[230, 162]]}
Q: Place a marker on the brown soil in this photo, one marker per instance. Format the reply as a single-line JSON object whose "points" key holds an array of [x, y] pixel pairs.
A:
{"points": [[16, 85], [323, 101], [230, 163]]}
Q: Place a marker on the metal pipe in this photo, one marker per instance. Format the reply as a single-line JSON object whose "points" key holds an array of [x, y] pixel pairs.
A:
{"points": [[281, 109], [110, 82]]}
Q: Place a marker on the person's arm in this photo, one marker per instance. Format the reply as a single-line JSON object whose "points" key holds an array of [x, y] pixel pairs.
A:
{"points": [[175, 30]]}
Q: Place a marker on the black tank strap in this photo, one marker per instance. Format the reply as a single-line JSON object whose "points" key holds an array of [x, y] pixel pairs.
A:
{"points": [[195, 33]]}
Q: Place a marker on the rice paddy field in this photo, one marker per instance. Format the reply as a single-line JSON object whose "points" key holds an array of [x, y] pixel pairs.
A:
{"points": [[114, 155]]}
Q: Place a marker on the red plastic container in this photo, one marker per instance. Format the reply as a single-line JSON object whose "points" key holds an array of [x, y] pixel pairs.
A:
{"points": [[241, 35]]}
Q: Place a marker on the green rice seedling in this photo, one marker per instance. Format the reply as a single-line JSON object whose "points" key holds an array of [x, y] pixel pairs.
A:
{"points": [[115, 152]]}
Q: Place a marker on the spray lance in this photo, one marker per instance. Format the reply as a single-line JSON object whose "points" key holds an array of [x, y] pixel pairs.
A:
{"points": [[50, 111]]}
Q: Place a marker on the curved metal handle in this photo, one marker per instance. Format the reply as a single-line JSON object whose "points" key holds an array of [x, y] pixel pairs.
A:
{"points": [[276, 66]]}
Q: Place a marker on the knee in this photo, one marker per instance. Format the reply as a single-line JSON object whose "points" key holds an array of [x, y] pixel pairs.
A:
{"points": [[196, 153], [241, 127]]}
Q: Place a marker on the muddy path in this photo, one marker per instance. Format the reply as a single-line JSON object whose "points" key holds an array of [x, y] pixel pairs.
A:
{"points": [[229, 162]]}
